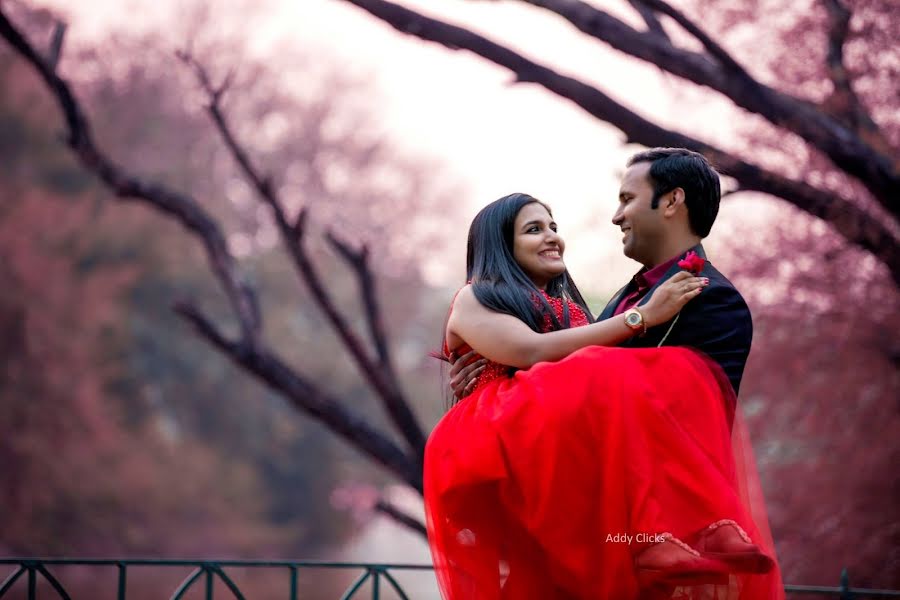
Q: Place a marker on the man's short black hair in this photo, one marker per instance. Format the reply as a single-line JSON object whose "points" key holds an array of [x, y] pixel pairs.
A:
{"points": [[672, 168]]}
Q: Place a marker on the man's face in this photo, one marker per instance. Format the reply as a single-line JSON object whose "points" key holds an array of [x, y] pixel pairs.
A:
{"points": [[642, 226]]}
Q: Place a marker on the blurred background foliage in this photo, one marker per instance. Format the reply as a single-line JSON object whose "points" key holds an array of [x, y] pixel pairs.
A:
{"points": [[123, 433]]}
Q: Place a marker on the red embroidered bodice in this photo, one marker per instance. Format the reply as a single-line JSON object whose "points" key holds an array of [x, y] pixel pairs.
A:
{"points": [[493, 370]]}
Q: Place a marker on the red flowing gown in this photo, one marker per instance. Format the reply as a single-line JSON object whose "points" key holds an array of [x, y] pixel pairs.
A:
{"points": [[546, 484]]}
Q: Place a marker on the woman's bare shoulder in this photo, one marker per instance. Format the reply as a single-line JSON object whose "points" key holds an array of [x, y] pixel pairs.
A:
{"points": [[460, 307], [464, 302], [466, 294]]}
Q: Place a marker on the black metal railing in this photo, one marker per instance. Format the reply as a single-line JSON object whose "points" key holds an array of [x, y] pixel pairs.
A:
{"points": [[372, 578], [844, 592]]}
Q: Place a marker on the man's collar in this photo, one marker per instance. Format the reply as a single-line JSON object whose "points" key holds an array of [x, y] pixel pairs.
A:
{"points": [[650, 277], [647, 278], [673, 268]]}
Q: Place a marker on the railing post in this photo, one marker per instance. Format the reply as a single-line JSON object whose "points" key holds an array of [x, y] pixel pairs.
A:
{"points": [[209, 581], [123, 574], [846, 594], [293, 569], [376, 593], [32, 582]]}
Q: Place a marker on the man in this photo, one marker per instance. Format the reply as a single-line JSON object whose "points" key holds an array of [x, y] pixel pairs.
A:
{"points": [[668, 201]]}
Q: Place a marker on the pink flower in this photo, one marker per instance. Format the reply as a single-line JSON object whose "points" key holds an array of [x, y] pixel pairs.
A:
{"points": [[691, 262]]}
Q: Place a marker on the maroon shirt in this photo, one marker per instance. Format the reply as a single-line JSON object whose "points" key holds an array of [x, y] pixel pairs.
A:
{"points": [[645, 280]]}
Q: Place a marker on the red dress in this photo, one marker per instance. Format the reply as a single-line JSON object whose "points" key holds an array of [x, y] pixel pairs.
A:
{"points": [[547, 484]]}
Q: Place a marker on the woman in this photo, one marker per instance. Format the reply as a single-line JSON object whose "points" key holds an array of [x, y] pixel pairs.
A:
{"points": [[608, 474]]}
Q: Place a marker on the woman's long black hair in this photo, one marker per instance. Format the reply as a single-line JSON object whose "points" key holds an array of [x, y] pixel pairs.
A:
{"points": [[499, 282]]}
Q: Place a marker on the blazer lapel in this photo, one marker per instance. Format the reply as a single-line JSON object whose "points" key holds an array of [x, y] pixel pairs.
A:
{"points": [[672, 271]]}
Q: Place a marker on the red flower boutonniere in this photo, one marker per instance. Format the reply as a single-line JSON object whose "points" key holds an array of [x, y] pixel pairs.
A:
{"points": [[691, 262], [694, 264]]}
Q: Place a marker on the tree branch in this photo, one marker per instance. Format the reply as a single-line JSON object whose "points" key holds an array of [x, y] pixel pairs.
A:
{"points": [[385, 507], [56, 44], [358, 259], [248, 351], [843, 101], [870, 164], [851, 221], [380, 376], [308, 398], [130, 187], [715, 50], [382, 380], [653, 24]]}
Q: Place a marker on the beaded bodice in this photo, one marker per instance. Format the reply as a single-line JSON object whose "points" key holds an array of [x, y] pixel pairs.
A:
{"points": [[494, 370]]}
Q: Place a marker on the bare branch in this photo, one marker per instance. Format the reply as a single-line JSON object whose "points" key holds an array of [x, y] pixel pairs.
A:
{"points": [[308, 397], [871, 164], [843, 101], [358, 259], [381, 379], [851, 221], [128, 186], [214, 94], [385, 507], [839, 20], [248, 351], [653, 24], [714, 49], [56, 44], [380, 376]]}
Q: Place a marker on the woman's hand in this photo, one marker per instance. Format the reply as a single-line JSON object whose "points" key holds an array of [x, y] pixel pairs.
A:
{"points": [[671, 296]]}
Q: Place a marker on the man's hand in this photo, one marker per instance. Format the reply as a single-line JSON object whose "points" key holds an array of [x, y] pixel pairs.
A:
{"points": [[464, 373]]}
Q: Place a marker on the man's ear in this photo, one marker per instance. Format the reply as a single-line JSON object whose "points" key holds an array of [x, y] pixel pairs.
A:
{"points": [[673, 200]]}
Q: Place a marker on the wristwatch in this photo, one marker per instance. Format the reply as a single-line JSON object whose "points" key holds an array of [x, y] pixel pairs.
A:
{"points": [[635, 320]]}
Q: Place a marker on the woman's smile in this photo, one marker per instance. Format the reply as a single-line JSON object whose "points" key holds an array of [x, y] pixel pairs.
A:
{"points": [[537, 246]]}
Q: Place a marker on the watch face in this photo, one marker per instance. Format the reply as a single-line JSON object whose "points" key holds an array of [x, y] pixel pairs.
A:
{"points": [[634, 319]]}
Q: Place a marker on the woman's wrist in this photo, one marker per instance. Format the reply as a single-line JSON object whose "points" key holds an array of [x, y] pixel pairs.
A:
{"points": [[631, 331], [651, 318], [634, 319]]}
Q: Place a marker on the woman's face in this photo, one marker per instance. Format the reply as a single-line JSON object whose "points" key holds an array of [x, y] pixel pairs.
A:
{"points": [[537, 247]]}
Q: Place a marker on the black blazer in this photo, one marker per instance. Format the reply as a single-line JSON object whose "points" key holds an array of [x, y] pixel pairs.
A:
{"points": [[717, 322]]}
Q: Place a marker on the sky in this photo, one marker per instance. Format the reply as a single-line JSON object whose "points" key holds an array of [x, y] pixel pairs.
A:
{"points": [[492, 137]]}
